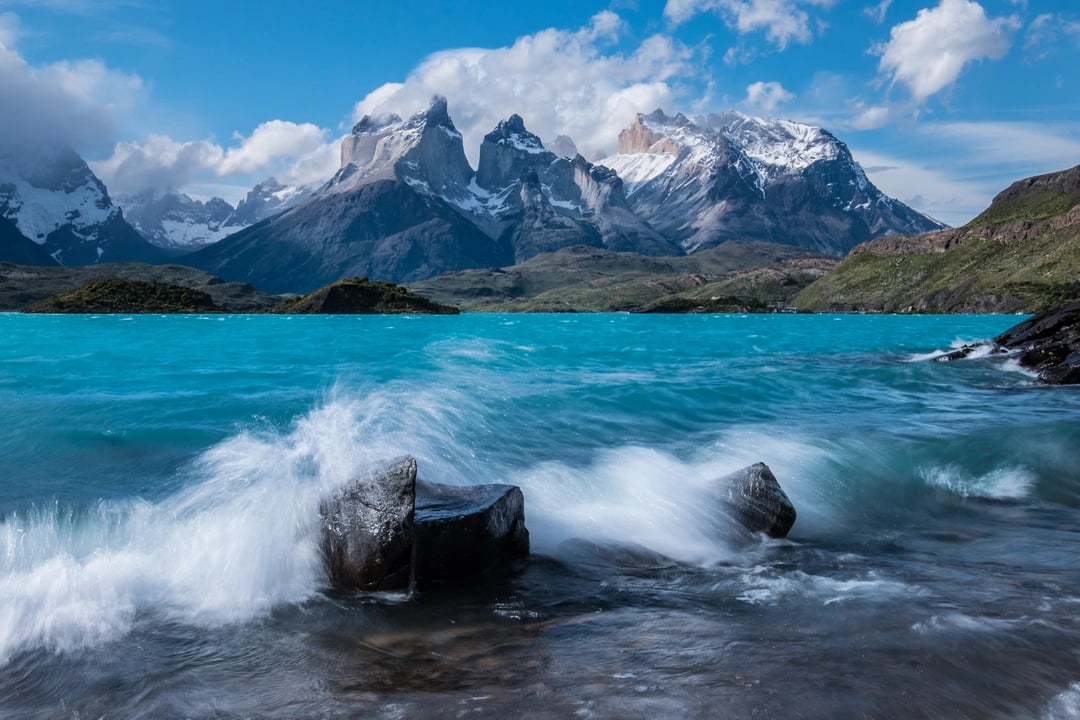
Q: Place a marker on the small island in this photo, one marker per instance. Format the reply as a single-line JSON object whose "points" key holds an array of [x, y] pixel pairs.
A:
{"points": [[116, 295], [355, 296], [360, 296]]}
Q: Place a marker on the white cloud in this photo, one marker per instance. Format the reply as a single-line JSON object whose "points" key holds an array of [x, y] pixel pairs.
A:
{"points": [[783, 21], [269, 142], [560, 82], [766, 97], [294, 153], [77, 102], [953, 170], [9, 30], [878, 12], [872, 117], [1045, 34], [159, 162], [939, 192], [928, 54]]}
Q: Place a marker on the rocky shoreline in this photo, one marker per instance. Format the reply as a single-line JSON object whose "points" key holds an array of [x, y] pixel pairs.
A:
{"points": [[1047, 343]]}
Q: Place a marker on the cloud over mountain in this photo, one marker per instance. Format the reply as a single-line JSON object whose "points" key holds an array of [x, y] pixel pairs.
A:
{"points": [[72, 102], [564, 82]]}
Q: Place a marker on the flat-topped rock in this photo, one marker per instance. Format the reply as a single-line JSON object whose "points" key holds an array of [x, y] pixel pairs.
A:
{"points": [[467, 530]]}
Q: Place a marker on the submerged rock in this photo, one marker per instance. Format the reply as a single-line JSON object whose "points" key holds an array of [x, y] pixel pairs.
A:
{"points": [[387, 531], [467, 530], [753, 497], [1047, 343]]}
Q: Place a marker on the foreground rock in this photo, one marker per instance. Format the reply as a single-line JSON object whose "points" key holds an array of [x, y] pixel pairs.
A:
{"points": [[388, 531], [1047, 343], [360, 296], [465, 531], [368, 529], [753, 497]]}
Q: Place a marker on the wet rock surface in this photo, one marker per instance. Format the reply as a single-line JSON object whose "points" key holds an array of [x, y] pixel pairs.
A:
{"points": [[386, 530], [465, 531], [1047, 343], [753, 497]]}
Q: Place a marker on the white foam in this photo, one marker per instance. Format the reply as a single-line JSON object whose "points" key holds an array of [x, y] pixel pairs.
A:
{"points": [[239, 540], [1065, 706], [957, 621], [765, 586], [1007, 483]]}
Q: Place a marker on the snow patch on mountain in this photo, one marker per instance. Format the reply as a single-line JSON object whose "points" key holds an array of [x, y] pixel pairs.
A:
{"points": [[42, 195], [636, 169]]}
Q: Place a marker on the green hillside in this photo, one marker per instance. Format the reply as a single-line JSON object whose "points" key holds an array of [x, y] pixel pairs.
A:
{"points": [[732, 277], [1020, 255]]}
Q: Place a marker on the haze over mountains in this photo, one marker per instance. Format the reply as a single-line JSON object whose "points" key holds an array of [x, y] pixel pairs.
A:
{"points": [[406, 204]]}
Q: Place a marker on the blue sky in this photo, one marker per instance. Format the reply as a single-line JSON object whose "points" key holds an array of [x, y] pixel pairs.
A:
{"points": [[944, 102]]}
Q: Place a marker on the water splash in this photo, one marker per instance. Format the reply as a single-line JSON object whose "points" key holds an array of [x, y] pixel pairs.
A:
{"points": [[1006, 483]]}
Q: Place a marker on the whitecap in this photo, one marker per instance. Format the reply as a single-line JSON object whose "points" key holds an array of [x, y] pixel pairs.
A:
{"points": [[1064, 706], [962, 622], [764, 586], [1007, 483]]}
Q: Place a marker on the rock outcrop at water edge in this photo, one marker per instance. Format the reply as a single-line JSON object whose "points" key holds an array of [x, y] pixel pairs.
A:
{"points": [[386, 530], [1047, 343]]}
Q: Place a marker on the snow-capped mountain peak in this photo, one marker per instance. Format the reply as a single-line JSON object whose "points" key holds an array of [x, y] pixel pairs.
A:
{"points": [[425, 151], [734, 176], [54, 187], [53, 198], [781, 145]]}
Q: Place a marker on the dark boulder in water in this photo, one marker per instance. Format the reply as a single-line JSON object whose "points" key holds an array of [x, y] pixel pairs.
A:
{"points": [[1047, 343], [386, 530], [467, 530], [753, 497], [368, 532]]}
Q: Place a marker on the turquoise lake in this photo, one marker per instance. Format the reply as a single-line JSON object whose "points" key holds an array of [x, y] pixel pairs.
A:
{"points": [[160, 478]]}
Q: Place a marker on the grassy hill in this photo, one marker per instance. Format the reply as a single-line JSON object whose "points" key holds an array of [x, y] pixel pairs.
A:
{"points": [[1021, 255], [732, 277]]}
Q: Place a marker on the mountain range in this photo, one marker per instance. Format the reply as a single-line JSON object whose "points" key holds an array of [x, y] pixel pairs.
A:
{"points": [[406, 205]]}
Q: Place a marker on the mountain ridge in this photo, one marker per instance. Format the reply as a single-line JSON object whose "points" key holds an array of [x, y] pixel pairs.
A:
{"points": [[1021, 254]]}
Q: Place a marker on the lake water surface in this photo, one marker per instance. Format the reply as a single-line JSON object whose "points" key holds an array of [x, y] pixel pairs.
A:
{"points": [[160, 478]]}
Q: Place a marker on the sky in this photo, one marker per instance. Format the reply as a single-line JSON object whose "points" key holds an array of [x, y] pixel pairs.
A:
{"points": [[943, 102]]}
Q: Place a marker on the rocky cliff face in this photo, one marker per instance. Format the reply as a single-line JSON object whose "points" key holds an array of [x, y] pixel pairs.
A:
{"points": [[731, 176], [54, 200], [267, 199], [386, 214], [545, 202]]}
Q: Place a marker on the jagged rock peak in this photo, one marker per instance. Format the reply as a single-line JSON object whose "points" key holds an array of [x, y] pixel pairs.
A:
{"points": [[425, 151], [507, 152], [641, 138], [511, 132], [438, 113], [375, 123]]}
